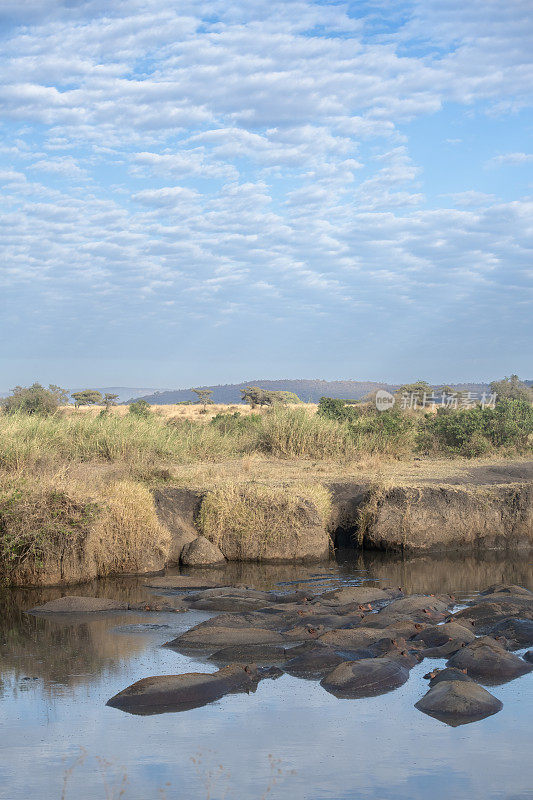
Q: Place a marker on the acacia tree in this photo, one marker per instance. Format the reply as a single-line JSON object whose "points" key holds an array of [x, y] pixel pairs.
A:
{"points": [[110, 400], [87, 397], [204, 397], [511, 389], [256, 396]]}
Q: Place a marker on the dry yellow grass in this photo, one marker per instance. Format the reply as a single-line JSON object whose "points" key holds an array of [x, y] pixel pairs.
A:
{"points": [[192, 412], [238, 516], [128, 536], [62, 527], [375, 470]]}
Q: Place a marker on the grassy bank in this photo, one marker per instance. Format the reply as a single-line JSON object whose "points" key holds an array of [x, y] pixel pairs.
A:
{"points": [[75, 487]]}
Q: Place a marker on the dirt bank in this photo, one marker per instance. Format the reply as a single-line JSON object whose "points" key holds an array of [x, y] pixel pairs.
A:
{"points": [[489, 509], [473, 507]]}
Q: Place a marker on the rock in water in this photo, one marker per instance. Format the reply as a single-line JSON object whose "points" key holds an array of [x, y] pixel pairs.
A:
{"points": [[201, 552], [365, 678], [164, 693], [458, 702]]}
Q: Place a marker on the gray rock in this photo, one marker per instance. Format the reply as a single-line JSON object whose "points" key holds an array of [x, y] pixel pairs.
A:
{"points": [[201, 552], [365, 678], [458, 702], [164, 693], [177, 509]]}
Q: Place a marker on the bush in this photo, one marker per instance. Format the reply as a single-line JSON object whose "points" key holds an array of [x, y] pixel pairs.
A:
{"points": [[473, 432], [390, 432], [140, 408], [35, 399], [235, 423], [511, 389], [336, 409]]}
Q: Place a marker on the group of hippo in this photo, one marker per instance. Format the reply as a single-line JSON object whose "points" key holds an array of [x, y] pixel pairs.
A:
{"points": [[358, 641]]}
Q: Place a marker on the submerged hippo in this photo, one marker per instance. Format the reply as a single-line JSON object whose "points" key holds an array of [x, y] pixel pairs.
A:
{"points": [[163, 693], [367, 677], [486, 660], [458, 702]]}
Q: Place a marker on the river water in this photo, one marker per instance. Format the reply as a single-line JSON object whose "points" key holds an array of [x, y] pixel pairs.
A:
{"points": [[290, 739]]}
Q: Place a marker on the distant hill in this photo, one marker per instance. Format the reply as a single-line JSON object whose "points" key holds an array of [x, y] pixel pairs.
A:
{"points": [[310, 391], [124, 392]]}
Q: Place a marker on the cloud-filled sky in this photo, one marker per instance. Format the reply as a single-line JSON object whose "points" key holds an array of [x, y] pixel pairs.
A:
{"points": [[204, 191]]}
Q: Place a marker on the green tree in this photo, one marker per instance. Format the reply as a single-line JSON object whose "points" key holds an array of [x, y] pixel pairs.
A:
{"points": [[87, 397], [110, 400], [511, 389], [417, 389], [204, 397], [140, 408], [35, 399], [256, 396]]}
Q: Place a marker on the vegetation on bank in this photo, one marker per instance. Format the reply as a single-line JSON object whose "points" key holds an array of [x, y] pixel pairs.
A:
{"points": [[233, 514], [74, 486], [56, 526], [338, 431]]}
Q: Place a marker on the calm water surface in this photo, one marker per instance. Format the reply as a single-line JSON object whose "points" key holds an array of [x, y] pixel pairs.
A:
{"points": [[290, 739]]}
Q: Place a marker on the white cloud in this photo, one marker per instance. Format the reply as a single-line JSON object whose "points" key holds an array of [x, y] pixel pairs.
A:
{"points": [[244, 155], [511, 159]]}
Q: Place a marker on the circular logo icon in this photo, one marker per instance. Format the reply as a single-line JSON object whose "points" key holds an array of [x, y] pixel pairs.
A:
{"points": [[384, 400]]}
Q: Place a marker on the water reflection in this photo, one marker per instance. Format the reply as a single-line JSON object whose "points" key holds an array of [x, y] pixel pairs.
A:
{"points": [[373, 749]]}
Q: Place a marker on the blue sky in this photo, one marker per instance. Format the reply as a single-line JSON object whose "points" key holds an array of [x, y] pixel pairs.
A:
{"points": [[203, 192]]}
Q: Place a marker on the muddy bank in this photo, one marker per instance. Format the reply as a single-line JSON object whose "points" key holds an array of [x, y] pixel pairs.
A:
{"points": [[305, 523], [400, 519], [422, 519]]}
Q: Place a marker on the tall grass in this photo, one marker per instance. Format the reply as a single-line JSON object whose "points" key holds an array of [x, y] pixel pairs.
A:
{"points": [[55, 528], [281, 432], [32, 439], [252, 520], [293, 433]]}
